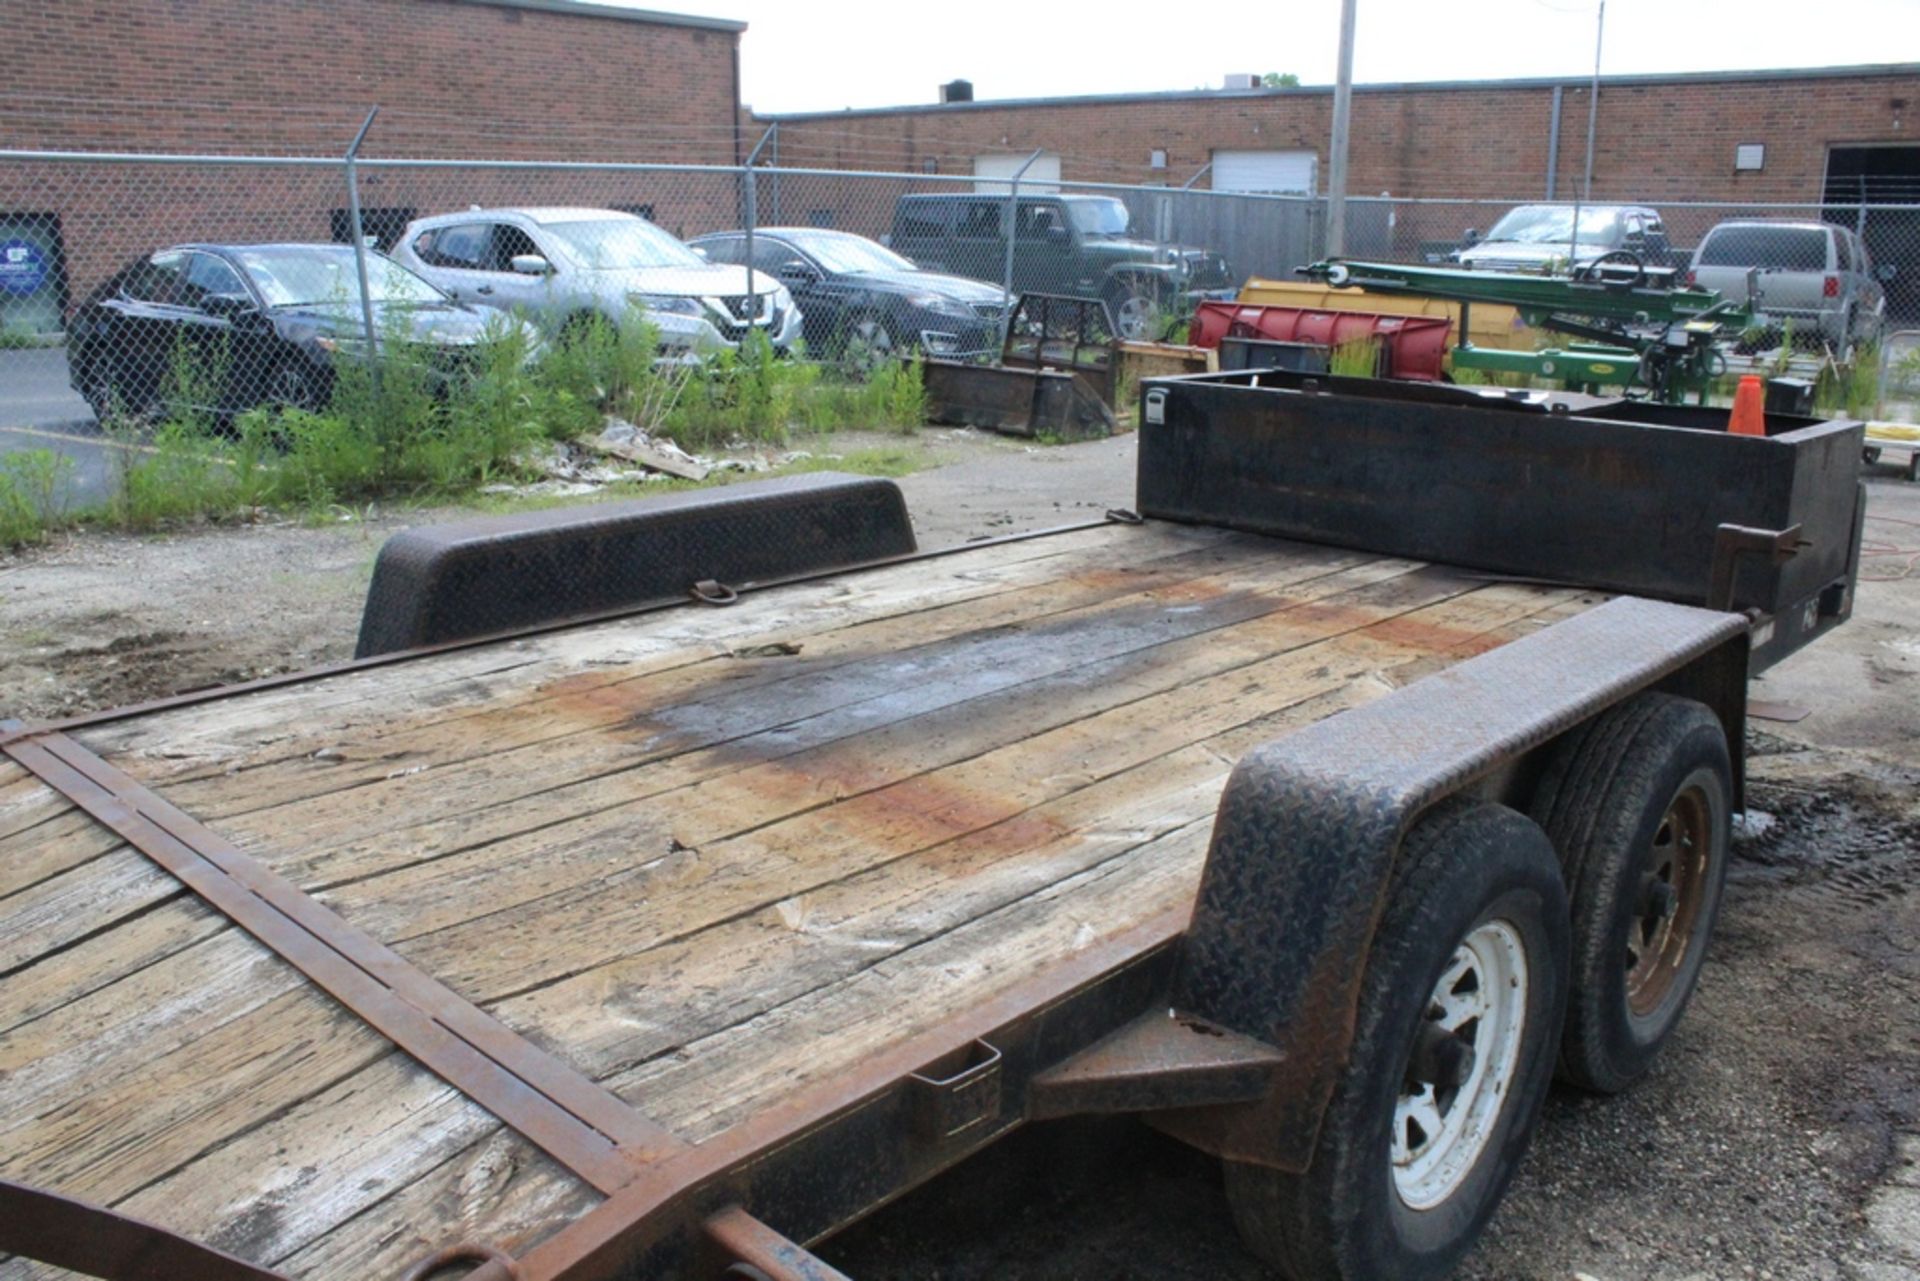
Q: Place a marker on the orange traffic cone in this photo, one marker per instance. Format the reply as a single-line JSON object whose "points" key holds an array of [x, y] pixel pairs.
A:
{"points": [[1749, 408]]}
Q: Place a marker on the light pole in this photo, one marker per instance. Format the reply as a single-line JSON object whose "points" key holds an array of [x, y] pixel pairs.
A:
{"points": [[1342, 121]]}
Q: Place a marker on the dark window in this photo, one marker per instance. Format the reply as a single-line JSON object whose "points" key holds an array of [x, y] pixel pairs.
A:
{"points": [[924, 218], [157, 279], [464, 246], [383, 223], [770, 255], [509, 242], [980, 220], [820, 218], [1037, 222], [726, 249], [207, 276], [1780, 248], [642, 211]]}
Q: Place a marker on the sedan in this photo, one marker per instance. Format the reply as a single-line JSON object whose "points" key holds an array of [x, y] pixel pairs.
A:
{"points": [[233, 326], [864, 303]]}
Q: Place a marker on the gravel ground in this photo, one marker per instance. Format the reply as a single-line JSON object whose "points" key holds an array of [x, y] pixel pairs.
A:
{"points": [[1776, 1138]]}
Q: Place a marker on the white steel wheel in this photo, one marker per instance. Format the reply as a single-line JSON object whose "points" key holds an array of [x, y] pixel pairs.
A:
{"points": [[1462, 1066], [1453, 1045]]}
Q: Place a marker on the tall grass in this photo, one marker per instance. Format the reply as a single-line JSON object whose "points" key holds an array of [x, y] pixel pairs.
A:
{"points": [[412, 428]]}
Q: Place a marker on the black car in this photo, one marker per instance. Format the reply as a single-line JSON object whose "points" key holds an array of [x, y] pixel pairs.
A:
{"points": [[861, 301], [255, 324]]}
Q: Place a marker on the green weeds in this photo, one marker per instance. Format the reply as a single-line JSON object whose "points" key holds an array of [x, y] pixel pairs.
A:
{"points": [[418, 426]]}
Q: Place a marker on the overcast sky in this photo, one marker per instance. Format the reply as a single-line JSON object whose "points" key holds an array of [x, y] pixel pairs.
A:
{"points": [[820, 55]]}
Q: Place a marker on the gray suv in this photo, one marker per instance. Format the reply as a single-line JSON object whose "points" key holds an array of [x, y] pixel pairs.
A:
{"points": [[1062, 244], [1813, 274], [558, 266]]}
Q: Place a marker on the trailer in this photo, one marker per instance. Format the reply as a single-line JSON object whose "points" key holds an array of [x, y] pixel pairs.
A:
{"points": [[666, 885]]}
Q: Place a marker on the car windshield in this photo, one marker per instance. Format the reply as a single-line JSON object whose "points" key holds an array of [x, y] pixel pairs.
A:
{"points": [[303, 276], [1778, 248], [620, 244], [1553, 224], [1100, 216], [850, 254]]}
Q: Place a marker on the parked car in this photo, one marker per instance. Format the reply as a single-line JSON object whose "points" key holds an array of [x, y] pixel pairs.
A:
{"points": [[1063, 244], [267, 320], [562, 266], [1816, 276], [1539, 238], [861, 300]]}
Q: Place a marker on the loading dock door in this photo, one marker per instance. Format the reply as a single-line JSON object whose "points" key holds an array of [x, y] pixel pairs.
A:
{"points": [[1861, 181], [1042, 175], [1285, 173]]}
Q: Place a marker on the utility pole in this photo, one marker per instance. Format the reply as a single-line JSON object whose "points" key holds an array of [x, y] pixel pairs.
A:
{"points": [[1593, 117], [1342, 120]]}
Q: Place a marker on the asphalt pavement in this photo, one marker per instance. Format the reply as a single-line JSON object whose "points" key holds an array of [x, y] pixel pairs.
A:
{"points": [[38, 410]]}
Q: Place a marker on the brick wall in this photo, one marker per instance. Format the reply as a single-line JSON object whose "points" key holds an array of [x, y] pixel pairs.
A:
{"points": [[1670, 140], [280, 77], [453, 79]]}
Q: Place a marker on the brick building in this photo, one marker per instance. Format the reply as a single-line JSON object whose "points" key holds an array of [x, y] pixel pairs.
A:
{"points": [[1658, 137], [500, 79], [1842, 135]]}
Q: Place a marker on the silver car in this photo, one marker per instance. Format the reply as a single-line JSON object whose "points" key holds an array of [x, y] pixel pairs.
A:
{"points": [[1540, 238], [1814, 275], [558, 266]]}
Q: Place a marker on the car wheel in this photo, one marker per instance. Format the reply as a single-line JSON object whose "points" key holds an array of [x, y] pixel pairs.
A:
{"points": [[869, 344], [1136, 310], [1639, 807], [1453, 1047], [99, 387], [296, 386]]}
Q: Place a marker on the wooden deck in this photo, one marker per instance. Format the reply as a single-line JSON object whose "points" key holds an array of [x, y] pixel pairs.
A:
{"points": [[705, 857]]}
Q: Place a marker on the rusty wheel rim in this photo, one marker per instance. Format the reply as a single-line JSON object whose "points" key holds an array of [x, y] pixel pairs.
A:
{"points": [[1665, 903]]}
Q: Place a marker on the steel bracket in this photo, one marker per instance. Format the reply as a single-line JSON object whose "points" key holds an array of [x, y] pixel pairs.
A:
{"points": [[1161, 1060]]}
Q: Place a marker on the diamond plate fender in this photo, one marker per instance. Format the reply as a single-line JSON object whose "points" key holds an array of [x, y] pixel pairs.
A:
{"points": [[1309, 825], [493, 574]]}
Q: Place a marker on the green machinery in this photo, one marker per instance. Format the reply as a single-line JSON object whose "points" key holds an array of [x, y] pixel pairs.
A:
{"points": [[1631, 328]]}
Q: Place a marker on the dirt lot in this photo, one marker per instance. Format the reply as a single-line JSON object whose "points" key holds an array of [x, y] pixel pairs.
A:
{"points": [[1776, 1138]]}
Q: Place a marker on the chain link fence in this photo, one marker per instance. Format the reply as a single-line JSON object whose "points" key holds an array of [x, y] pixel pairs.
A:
{"points": [[112, 266]]}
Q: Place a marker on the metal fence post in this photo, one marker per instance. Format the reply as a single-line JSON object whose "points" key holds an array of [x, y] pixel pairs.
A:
{"points": [[360, 242], [750, 199], [1012, 225]]}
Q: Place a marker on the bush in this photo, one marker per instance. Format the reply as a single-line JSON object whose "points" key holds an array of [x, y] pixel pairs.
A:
{"points": [[415, 426], [33, 495]]}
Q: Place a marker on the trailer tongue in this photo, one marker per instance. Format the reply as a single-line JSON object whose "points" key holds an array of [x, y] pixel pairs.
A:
{"points": [[667, 941]]}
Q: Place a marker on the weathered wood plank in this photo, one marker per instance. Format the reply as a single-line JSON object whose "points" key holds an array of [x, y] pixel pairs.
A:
{"points": [[54, 912], [25, 801], [62, 841], [193, 740], [581, 703], [367, 829], [586, 902], [105, 958]]}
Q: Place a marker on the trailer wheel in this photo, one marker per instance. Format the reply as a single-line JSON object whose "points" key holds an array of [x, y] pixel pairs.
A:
{"points": [[1638, 805], [1458, 1022]]}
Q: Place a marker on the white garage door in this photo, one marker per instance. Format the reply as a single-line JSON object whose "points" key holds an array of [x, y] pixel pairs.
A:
{"points": [[1042, 175], [1283, 172]]}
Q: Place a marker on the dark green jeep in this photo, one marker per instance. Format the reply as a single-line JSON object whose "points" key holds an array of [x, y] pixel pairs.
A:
{"points": [[1063, 244]]}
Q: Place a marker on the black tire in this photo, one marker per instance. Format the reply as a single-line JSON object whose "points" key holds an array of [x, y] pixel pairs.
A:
{"points": [[1465, 866], [867, 343], [1640, 798], [297, 385], [1135, 305]]}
